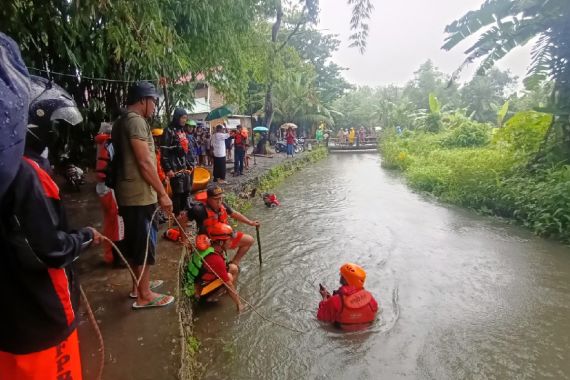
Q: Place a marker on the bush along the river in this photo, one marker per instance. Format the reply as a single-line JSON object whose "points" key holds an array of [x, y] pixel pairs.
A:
{"points": [[488, 169]]}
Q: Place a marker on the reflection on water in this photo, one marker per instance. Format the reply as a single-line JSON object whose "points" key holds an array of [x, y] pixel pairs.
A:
{"points": [[461, 296]]}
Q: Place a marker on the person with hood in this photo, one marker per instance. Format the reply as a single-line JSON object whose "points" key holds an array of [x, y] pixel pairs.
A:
{"points": [[38, 330], [351, 307], [175, 160]]}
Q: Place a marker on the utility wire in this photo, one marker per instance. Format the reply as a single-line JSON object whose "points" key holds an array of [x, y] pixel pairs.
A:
{"points": [[79, 77]]}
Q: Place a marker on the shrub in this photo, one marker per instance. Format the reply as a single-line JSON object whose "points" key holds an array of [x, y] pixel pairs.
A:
{"points": [[467, 133]]}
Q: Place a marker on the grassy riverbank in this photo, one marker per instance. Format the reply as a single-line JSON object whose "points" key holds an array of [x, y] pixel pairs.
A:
{"points": [[488, 169]]}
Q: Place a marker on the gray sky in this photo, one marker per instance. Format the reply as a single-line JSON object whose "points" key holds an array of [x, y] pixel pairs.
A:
{"points": [[404, 34]]}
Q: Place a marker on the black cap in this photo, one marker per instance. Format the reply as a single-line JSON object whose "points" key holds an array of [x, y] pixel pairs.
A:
{"points": [[140, 90], [214, 190]]}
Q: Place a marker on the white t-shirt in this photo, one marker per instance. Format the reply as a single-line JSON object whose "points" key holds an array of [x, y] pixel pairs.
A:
{"points": [[219, 144]]}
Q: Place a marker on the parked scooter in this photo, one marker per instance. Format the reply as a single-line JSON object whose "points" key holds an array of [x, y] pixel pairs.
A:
{"points": [[74, 175], [281, 146]]}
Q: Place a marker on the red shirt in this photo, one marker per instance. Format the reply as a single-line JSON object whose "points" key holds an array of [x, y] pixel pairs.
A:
{"points": [[330, 308], [218, 266], [290, 138]]}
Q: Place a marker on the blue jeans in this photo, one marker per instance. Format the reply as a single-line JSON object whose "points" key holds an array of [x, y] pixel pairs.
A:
{"points": [[239, 156], [290, 149]]}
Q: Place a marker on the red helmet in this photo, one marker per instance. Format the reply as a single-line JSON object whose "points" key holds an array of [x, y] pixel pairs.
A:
{"points": [[220, 231]]}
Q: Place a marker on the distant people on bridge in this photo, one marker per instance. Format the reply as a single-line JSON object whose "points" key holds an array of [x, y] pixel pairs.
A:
{"points": [[351, 307], [351, 136], [341, 138], [361, 138]]}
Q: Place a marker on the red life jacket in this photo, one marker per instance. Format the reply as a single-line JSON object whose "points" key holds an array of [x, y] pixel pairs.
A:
{"points": [[355, 308], [183, 140], [103, 156]]}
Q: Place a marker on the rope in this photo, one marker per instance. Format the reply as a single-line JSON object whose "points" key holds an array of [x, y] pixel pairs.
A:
{"points": [[235, 292], [95, 325]]}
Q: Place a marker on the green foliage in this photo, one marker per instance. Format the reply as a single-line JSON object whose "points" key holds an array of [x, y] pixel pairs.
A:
{"points": [[502, 114], [492, 177], [524, 132], [466, 133], [503, 25]]}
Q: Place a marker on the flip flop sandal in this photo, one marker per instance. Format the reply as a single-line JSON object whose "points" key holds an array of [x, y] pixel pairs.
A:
{"points": [[153, 285], [157, 302]]}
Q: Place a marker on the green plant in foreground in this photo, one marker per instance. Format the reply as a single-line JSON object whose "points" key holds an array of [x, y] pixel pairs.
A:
{"points": [[192, 344]]}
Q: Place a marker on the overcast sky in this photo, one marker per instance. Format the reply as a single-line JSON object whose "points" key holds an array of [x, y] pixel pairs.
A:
{"points": [[404, 34]]}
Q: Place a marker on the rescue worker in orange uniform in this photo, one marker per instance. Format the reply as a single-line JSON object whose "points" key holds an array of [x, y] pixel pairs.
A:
{"points": [[38, 330], [112, 221], [351, 306], [211, 209], [209, 268]]}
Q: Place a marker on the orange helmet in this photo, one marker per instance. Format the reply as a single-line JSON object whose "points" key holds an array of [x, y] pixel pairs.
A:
{"points": [[202, 242], [220, 231], [353, 274], [157, 132]]}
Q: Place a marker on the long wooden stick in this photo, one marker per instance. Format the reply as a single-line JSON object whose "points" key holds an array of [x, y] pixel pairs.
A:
{"points": [[258, 243]]}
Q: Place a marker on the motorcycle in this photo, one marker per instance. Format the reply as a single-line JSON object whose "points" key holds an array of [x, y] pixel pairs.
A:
{"points": [[74, 175], [281, 146]]}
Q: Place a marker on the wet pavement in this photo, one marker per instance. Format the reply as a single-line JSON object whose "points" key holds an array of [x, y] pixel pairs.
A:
{"points": [[142, 344]]}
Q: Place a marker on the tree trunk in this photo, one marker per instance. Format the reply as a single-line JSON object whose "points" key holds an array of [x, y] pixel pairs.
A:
{"points": [[268, 107]]}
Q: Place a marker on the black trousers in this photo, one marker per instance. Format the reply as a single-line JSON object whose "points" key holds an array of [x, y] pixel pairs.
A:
{"points": [[219, 168], [179, 202]]}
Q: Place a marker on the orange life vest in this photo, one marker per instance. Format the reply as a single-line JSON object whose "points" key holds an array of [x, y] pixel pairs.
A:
{"points": [[213, 216], [356, 309], [103, 157]]}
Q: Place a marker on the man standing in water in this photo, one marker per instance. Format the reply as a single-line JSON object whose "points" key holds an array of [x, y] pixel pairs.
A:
{"points": [[350, 307]]}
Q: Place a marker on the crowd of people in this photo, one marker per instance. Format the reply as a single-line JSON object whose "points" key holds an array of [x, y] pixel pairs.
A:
{"points": [[351, 137], [38, 334]]}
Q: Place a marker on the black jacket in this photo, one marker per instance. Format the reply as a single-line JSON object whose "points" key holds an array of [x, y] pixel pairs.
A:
{"points": [[38, 286], [174, 155]]}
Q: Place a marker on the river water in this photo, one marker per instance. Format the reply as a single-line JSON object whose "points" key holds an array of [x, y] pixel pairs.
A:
{"points": [[462, 296]]}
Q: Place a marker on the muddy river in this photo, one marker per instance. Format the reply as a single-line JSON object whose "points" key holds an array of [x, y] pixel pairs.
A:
{"points": [[462, 296]]}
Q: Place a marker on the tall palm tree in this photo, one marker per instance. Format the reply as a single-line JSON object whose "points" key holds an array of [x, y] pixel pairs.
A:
{"points": [[503, 25]]}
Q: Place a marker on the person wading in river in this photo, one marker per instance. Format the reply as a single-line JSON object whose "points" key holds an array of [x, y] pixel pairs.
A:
{"points": [[211, 210], [350, 307]]}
